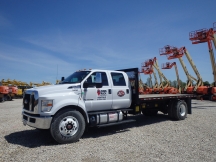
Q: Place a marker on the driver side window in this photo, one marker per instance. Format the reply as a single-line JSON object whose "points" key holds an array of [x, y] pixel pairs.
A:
{"points": [[92, 77]]}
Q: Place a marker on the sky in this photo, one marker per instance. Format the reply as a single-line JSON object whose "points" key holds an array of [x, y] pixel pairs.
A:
{"points": [[43, 40]]}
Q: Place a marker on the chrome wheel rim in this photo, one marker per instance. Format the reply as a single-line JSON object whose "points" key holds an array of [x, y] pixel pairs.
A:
{"points": [[182, 110], [68, 126]]}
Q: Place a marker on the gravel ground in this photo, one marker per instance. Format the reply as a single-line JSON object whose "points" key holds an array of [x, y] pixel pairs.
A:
{"points": [[147, 139]]}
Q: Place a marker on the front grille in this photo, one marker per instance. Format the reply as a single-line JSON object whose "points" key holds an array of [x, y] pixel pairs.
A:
{"points": [[29, 102], [32, 101], [26, 101]]}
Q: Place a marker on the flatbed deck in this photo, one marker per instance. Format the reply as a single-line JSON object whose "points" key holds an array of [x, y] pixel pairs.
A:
{"points": [[164, 96]]}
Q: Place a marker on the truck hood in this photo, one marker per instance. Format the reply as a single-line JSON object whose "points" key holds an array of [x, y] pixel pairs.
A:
{"points": [[58, 88]]}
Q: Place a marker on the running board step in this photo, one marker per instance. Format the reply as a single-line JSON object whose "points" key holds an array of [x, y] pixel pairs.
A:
{"points": [[116, 123]]}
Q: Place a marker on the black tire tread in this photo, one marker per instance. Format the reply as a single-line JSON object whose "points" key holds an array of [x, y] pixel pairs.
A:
{"points": [[55, 124]]}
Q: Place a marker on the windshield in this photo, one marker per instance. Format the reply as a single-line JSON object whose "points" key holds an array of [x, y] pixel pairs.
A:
{"points": [[76, 77]]}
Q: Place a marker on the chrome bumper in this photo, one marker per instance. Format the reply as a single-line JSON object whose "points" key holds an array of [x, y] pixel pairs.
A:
{"points": [[36, 122]]}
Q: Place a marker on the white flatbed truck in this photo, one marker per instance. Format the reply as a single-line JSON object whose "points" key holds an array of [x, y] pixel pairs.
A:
{"points": [[95, 98]]}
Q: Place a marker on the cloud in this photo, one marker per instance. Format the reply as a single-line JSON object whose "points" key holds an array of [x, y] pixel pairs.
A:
{"points": [[32, 65]]}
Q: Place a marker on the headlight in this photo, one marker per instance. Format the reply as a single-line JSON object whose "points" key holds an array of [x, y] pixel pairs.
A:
{"points": [[46, 105]]}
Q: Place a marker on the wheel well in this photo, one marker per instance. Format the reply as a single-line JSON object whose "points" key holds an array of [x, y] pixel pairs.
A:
{"points": [[73, 107]]}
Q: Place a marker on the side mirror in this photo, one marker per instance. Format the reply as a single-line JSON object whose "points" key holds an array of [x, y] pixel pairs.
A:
{"points": [[85, 85], [62, 78]]}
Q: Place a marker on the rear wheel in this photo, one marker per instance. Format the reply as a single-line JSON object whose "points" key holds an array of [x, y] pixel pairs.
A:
{"points": [[179, 110], [67, 126]]}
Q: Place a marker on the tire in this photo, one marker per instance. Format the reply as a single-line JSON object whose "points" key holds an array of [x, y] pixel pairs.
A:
{"points": [[149, 112], [9, 98], [180, 110], [5, 98], [67, 126], [2, 99]]}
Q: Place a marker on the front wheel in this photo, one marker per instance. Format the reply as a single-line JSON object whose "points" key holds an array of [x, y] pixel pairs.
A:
{"points": [[67, 127]]}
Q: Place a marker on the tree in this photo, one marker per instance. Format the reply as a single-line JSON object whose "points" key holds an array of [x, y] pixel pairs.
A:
{"points": [[206, 83], [183, 84], [174, 83]]}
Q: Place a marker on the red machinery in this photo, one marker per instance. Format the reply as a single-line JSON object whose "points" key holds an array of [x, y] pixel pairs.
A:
{"points": [[148, 71], [173, 53], [4, 90], [161, 88], [202, 36], [13, 90], [169, 65]]}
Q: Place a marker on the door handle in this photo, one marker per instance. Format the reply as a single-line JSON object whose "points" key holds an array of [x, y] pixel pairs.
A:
{"points": [[127, 91], [109, 91]]}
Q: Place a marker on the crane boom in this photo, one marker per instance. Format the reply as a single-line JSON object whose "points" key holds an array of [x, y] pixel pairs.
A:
{"points": [[189, 82], [150, 80], [178, 79], [161, 75], [199, 81], [147, 69], [172, 53], [156, 81], [169, 65], [214, 34], [206, 35]]}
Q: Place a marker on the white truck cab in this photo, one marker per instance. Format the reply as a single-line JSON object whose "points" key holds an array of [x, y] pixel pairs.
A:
{"points": [[86, 97]]}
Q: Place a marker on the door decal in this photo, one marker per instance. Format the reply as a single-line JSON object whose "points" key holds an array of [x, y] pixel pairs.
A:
{"points": [[120, 93], [101, 94]]}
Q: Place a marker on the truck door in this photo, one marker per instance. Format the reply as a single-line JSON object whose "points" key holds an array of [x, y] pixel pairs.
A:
{"points": [[120, 91], [98, 98]]}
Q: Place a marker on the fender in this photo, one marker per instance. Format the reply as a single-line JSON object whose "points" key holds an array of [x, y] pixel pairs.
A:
{"points": [[63, 100]]}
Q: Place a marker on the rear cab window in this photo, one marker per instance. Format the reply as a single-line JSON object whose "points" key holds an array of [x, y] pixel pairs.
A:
{"points": [[118, 79]]}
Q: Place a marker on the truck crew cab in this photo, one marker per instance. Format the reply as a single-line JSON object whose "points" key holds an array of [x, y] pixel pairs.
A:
{"points": [[90, 98]]}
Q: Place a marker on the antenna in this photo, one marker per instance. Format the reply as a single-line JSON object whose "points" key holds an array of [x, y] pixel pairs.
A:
{"points": [[57, 72]]}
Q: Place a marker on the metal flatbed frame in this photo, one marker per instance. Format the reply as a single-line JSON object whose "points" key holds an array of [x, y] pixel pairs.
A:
{"points": [[164, 96]]}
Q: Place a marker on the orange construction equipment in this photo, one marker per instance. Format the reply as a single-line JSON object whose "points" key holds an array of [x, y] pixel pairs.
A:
{"points": [[162, 88], [148, 69], [174, 52], [13, 90], [202, 36], [4, 90], [144, 89], [169, 65]]}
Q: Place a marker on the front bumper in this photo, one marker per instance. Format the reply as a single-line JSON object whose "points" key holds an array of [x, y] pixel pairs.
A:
{"points": [[42, 122]]}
